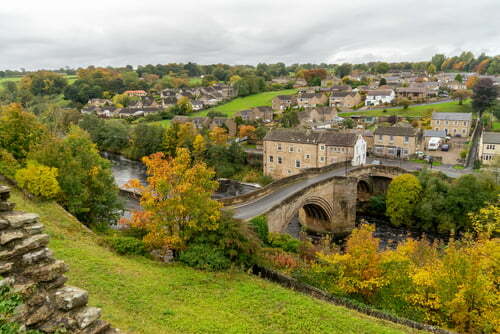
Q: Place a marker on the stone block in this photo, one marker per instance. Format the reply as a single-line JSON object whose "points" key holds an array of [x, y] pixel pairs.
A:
{"points": [[33, 229], [5, 267], [39, 315], [47, 272], [98, 327], [55, 284], [25, 289], [3, 224], [36, 256], [68, 298], [6, 206], [86, 316], [25, 246], [8, 236], [18, 219]]}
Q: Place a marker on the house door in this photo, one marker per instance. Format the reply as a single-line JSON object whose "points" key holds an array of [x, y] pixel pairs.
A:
{"points": [[398, 152]]}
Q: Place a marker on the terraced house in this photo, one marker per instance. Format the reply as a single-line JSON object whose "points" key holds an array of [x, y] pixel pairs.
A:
{"points": [[345, 99], [452, 123], [396, 142], [305, 100], [489, 147], [281, 102], [289, 151]]}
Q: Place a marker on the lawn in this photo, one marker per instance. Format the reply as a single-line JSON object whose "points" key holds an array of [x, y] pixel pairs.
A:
{"points": [[496, 126], [247, 102], [417, 111], [70, 78], [141, 296]]}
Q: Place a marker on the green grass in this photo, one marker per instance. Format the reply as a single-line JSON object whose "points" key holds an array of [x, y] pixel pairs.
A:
{"points": [[70, 78], [165, 123], [458, 167], [496, 126], [247, 102], [141, 296], [422, 161], [417, 111]]}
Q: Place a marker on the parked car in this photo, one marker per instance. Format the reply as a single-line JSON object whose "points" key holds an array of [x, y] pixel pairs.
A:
{"points": [[445, 147], [376, 162], [434, 144]]}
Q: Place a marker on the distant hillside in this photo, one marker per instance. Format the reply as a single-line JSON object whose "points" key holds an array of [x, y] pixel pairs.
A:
{"points": [[141, 296]]}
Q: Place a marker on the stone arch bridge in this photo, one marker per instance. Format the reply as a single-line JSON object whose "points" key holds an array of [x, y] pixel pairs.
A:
{"points": [[324, 199]]}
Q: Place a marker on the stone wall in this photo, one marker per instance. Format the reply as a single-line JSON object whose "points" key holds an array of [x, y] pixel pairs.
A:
{"points": [[28, 267]]}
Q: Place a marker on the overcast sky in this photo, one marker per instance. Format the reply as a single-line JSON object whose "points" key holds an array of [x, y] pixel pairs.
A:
{"points": [[57, 33]]}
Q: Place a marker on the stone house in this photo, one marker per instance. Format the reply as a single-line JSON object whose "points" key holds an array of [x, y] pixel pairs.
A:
{"points": [[321, 114], [395, 142], [452, 123], [139, 93], [411, 93], [489, 147], [288, 151], [330, 81], [300, 82], [345, 99], [281, 102], [379, 96], [99, 102], [311, 99], [264, 114], [341, 88]]}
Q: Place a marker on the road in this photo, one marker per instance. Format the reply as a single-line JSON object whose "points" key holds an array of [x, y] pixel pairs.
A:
{"points": [[263, 204]]}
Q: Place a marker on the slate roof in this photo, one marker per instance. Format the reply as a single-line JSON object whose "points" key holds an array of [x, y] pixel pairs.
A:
{"points": [[434, 133], [395, 131], [328, 138], [284, 97], [379, 92], [491, 138], [452, 116]]}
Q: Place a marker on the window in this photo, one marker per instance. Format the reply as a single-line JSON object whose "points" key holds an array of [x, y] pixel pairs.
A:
{"points": [[308, 156], [405, 152], [280, 160], [297, 163], [391, 151], [463, 131], [279, 147], [299, 150], [271, 158], [289, 171], [391, 138], [446, 122], [290, 149], [465, 123], [379, 149], [490, 147], [322, 147], [437, 122], [380, 137], [322, 159], [407, 139]]}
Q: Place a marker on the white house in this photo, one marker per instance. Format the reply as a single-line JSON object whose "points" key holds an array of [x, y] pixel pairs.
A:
{"points": [[379, 96], [359, 157]]}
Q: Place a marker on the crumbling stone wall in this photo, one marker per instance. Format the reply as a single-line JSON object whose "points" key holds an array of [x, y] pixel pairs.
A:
{"points": [[28, 267]]}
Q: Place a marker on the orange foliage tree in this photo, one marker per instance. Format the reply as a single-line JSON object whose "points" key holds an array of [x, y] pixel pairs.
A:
{"points": [[218, 136], [177, 201], [247, 131]]}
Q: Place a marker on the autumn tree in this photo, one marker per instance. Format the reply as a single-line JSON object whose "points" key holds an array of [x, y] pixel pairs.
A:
{"points": [[471, 82], [247, 131], [177, 201], [218, 136], [44, 83], [199, 147], [20, 131], [431, 69], [461, 95], [403, 195], [39, 180]]}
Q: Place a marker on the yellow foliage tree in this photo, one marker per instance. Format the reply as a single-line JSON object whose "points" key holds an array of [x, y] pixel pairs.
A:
{"points": [[471, 81], [177, 201], [199, 147], [39, 180], [247, 131], [218, 136]]}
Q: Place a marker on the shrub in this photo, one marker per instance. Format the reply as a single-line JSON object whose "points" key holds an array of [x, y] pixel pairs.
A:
{"points": [[127, 245], [8, 303], [8, 164], [279, 259], [284, 241], [206, 257], [259, 225], [39, 180]]}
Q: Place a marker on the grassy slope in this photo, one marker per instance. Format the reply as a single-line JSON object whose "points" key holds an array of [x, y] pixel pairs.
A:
{"points": [[418, 110], [142, 296], [241, 103]]}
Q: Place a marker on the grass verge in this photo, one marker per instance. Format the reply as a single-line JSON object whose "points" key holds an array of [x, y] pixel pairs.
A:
{"points": [[142, 296], [416, 111]]}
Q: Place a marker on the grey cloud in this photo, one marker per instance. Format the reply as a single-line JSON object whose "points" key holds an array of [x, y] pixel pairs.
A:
{"points": [[51, 34]]}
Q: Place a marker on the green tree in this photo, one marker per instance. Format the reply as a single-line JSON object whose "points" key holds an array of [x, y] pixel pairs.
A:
{"points": [[461, 95], [343, 70], [382, 68], [438, 60], [403, 196], [459, 78], [431, 69], [44, 83], [290, 119], [87, 186], [20, 131], [145, 139]]}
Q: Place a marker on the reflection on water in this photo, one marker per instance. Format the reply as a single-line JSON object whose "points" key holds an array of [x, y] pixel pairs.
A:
{"points": [[124, 169]]}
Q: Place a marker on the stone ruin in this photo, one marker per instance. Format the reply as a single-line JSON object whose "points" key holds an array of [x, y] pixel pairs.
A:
{"points": [[28, 267]]}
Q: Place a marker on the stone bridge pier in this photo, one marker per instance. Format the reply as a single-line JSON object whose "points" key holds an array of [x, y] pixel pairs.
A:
{"points": [[327, 206]]}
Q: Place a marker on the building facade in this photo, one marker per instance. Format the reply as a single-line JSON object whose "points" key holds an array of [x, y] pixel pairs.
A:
{"points": [[452, 123], [289, 151], [489, 147], [380, 96], [395, 142]]}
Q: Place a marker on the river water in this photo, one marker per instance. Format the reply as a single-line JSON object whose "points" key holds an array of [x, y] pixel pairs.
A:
{"points": [[124, 169]]}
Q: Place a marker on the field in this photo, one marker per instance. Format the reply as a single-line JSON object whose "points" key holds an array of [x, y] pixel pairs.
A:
{"points": [[496, 126], [141, 296], [247, 102], [417, 111], [71, 79]]}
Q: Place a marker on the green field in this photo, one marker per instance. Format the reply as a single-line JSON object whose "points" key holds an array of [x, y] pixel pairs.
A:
{"points": [[71, 79], [141, 296], [417, 111], [496, 126], [247, 102]]}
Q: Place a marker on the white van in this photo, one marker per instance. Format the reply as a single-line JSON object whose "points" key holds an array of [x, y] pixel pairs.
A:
{"points": [[434, 144]]}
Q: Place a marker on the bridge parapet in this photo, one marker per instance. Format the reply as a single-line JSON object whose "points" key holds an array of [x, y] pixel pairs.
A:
{"points": [[273, 186], [377, 170]]}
